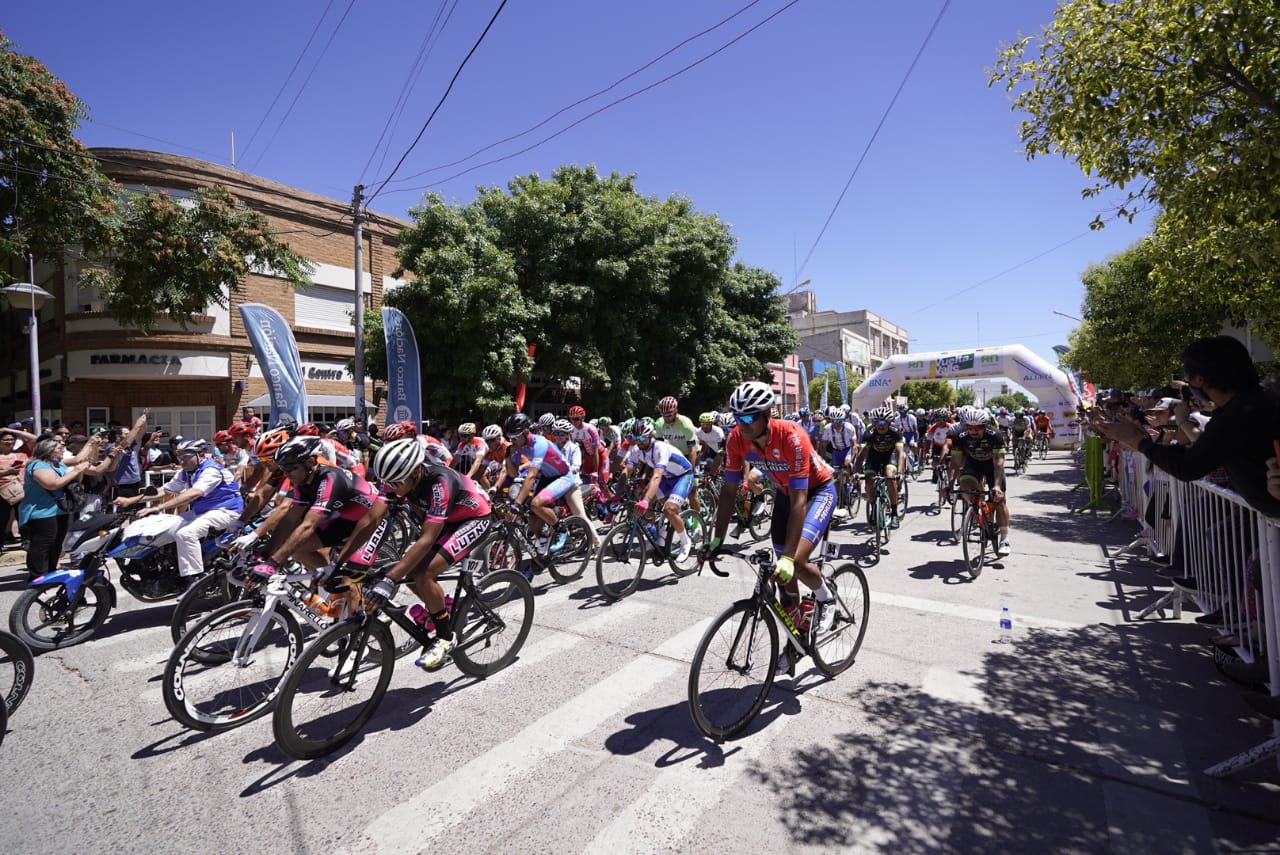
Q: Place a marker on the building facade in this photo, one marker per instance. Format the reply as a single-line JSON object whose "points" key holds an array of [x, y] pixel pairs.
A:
{"points": [[861, 339], [196, 380]]}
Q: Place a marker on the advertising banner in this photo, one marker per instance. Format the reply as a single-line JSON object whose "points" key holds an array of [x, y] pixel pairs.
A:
{"points": [[404, 372], [277, 353]]}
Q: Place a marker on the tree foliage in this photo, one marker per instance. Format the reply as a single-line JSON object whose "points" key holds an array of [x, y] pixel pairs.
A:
{"points": [[830, 379], [155, 257], [965, 396], [635, 296], [928, 394], [1011, 402], [1130, 338], [1175, 104]]}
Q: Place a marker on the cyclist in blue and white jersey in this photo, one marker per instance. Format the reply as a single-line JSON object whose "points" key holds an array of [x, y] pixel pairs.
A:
{"points": [[544, 469], [838, 439], [672, 477]]}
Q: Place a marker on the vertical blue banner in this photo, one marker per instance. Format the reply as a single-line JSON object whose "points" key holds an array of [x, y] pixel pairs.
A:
{"points": [[804, 385], [844, 383], [277, 354], [404, 372]]}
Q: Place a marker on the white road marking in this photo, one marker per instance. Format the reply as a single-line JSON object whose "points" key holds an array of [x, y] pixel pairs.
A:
{"points": [[968, 612]]}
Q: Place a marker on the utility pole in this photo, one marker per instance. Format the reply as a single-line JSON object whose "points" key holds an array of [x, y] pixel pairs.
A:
{"points": [[362, 420]]}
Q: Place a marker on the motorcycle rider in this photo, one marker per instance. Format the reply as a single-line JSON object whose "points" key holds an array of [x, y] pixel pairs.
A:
{"points": [[209, 489]]}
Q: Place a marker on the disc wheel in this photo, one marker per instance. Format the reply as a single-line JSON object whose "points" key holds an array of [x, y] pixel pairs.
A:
{"points": [[620, 561], [732, 670], [326, 700], [836, 650]]}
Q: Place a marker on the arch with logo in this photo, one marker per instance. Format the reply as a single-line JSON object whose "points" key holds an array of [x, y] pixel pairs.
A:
{"points": [[1051, 386]]}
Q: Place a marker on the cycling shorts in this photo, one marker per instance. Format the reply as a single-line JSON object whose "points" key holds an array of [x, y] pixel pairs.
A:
{"points": [[557, 488], [909, 438], [676, 488], [839, 456], [984, 471], [817, 516], [335, 532], [877, 462], [457, 539]]}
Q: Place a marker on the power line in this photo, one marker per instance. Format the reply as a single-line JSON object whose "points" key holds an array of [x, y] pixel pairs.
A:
{"points": [[410, 81], [600, 110], [440, 104], [585, 99], [870, 142], [288, 77], [102, 124], [305, 81]]}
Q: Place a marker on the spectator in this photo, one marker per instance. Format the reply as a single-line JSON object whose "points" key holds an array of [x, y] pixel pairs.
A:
{"points": [[1239, 435], [43, 520], [248, 415], [12, 462], [126, 477]]}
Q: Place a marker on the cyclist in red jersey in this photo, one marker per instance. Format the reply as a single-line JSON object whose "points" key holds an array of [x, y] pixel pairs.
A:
{"points": [[801, 515]]}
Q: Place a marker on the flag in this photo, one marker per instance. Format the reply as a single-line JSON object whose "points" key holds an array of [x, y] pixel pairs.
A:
{"points": [[277, 354], [804, 386], [521, 386], [844, 383], [404, 371], [826, 381]]}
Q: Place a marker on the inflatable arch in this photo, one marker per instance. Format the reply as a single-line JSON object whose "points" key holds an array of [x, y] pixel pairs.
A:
{"points": [[1051, 386]]}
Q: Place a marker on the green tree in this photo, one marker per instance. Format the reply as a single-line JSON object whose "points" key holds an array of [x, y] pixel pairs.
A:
{"points": [[965, 396], [1011, 402], [157, 258], [928, 394], [831, 380], [1177, 105], [1127, 338], [634, 295]]}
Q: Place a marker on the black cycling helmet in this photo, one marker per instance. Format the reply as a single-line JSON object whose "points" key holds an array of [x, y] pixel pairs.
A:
{"points": [[517, 423], [298, 450]]}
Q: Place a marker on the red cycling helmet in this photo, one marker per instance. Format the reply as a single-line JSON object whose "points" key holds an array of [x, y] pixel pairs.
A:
{"points": [[308, 429], [399, 430], [667, 406], [577, 413], [241, 429], [222, 436]]}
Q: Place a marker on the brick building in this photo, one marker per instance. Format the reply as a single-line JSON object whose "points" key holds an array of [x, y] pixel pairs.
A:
{"points": [[197, 380]]}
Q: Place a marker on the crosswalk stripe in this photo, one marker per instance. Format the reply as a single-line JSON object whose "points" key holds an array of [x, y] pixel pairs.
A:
{"points": [[968, 612], [415, 823]]}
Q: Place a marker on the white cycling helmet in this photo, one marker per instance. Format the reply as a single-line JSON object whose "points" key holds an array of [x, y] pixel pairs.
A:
{"points": [[547, 420], [727, 421], [839, 414], [397, 460], [751, 398], [492, 432], [563, 426], [881, 414], [973, 416]]}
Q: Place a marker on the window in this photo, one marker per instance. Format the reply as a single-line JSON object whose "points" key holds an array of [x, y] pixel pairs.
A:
{"points": [[330, 415], [97, 417], [323, 307], [192, 422]]}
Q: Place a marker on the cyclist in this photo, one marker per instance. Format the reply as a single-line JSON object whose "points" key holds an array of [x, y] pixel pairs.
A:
{"points": [[1020, 429], [455, 517], [672, 477], [977, 455], [710, 438], [883, 454], [486, 470], [838, 438], [561, 436], [1043, 425], [680, 432], [470, 448], [909, 426], [595, 458], [543, 468], [435, 448], [807, 500]]}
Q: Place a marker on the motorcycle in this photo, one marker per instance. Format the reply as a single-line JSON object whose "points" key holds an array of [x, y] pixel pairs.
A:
{"points": [[68, 605]]}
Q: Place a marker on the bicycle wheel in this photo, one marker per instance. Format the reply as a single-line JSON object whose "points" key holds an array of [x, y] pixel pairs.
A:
{"points": [[499, 550], [761, 520], [325, 701], [215, 690], [491, 627], [17, 668], [884, 515], [45, 620], [836, 650], [570, 561], [974, 542], [957, 516], [854, 489], [697, 529], [620, 561], [733, 670], [904, 494], [206, 595]]}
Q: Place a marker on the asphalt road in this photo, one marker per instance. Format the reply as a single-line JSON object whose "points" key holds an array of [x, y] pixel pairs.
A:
{"points": [[1089, 733]]}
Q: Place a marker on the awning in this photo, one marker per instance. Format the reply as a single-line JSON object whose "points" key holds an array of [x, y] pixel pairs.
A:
{"points": [[264, 401]]}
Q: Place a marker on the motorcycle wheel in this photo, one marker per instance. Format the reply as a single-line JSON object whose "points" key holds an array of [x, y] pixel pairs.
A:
{"points": [[44, 618]]}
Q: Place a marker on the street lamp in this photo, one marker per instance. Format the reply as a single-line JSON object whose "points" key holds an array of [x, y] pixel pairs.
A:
{"points": [[28, 298]]}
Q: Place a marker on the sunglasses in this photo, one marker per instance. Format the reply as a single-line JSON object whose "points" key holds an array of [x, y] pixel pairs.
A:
{"points": [[879, 422], [750, 420], [515, 435], [640, 437]]}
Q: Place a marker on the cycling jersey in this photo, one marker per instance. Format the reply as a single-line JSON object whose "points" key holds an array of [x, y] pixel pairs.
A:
{"points": [[839, 435], [539, 456], [988, 446], [788, 457], [445, 495], [881, 444], [436, 449], [680, 432], [1020, 426], [938, 433], [336, 493], [1042, 424], [466, 453], [660, 455], [712, 439]]}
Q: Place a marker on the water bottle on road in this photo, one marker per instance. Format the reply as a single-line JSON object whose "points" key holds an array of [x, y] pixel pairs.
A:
{"points": [[1006, 626]]}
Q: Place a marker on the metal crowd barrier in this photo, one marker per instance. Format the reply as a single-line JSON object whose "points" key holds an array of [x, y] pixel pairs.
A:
{"points": [[1231, 557]]}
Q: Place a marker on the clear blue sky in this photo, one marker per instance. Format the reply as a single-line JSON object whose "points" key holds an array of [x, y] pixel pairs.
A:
{"points": [[765, 133]]}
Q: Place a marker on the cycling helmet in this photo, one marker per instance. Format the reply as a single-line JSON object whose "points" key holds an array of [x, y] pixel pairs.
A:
{"points": [[492, 432], [399, 430], [467, 429], [298, 450], [287, 421], [881, 414], [516, 423], [727, 421], [563, 426], [546, 420], [269, 443], [706, 418], [577, 413], [397, 460], [1018, 414], [668, 406], [750, 398], [804, 411], [920, 412], [238, 429], [223, 436], [345, 425], [839, 414], [308, 429], [604, 421], [193, 446], [642, 428], [625, 426], [973, 416]]}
